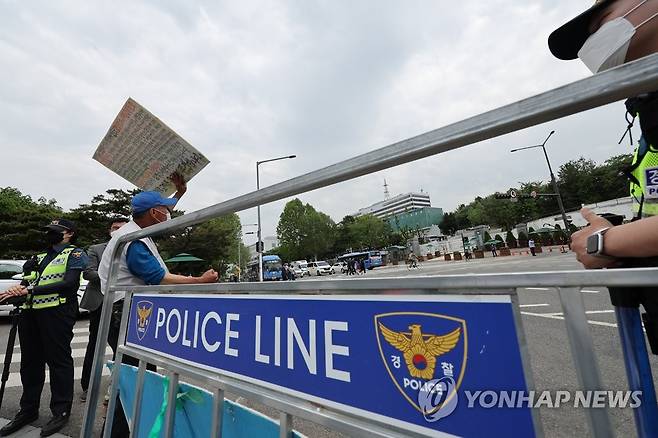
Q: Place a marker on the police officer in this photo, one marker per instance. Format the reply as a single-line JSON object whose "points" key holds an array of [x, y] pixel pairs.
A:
{"points": [[609, 34], [46, 327]]}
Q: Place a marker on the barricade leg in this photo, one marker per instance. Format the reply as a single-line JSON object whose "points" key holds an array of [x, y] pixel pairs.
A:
{"points": [[170, 414], [638, 369], [285, 425], [582, 351], [217, 413], [139, 395]]}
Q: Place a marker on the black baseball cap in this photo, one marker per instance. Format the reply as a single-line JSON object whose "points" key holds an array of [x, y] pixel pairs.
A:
{"points": [[61, 225], [567, 40]]}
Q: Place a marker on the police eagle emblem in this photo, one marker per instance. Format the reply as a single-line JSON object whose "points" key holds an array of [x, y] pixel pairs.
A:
{"points": [[142, 314], [144, 309], [420, 350]]}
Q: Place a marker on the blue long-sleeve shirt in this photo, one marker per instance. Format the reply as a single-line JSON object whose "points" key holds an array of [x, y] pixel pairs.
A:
{"points": [[143, 264]]}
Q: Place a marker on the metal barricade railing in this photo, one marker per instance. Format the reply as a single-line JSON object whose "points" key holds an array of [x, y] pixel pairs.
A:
{"points": [[625, 81]]}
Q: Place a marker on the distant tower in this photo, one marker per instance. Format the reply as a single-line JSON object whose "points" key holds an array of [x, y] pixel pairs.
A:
{"points": [[387, 195]]}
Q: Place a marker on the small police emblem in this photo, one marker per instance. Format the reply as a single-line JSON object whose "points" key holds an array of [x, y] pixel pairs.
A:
{"points": [[144, 311]]}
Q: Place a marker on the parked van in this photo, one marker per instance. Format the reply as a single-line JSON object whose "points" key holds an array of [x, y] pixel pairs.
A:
{"points": [[300, 267], [319, 268]]}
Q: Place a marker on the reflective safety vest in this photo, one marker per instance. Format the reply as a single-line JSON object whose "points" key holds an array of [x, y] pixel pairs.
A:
{"points": [[53, 273], [643, 175]]}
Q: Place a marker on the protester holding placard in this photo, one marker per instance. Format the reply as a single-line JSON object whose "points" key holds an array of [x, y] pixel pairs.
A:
{"points": [[140, 264]]}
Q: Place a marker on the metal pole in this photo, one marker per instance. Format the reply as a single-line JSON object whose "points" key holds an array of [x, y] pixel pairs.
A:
{"points": [[555, 187], [553, 181], [584, 358], [259, 244], [239, 259], [638, 369], [259, 248]]}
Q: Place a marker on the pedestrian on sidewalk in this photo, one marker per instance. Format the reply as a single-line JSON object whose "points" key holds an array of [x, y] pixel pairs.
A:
{"points": [[531, 245]]}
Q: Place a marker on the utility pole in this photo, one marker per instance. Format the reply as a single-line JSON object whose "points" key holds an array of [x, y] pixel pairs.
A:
{"points": [[553, 180]]}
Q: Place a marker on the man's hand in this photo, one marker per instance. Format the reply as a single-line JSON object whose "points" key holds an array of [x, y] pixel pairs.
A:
{"points": [[579, 241], [181, 185], [210, 276]]}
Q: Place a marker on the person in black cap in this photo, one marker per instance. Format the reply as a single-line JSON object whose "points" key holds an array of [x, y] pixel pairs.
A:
{"points": [[46, 327], [611, 33]]}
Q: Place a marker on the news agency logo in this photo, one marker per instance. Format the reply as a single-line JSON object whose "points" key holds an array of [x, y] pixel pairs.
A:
{"points": [[425, 356], [144, 310]]}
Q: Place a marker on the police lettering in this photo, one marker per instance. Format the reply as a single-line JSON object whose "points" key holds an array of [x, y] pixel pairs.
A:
{"points": [[277, 341], [177, 329]]}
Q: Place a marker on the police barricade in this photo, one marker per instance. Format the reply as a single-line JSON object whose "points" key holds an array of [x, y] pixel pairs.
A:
{"points": [[297, 394]]}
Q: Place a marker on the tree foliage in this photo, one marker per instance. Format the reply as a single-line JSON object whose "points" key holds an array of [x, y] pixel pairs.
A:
{"points": [[580, 181], [305, 233], [216, 241], [21, 221]]}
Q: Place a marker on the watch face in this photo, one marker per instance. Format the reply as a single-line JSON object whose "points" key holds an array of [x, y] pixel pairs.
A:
{"points": [[593, 244]]}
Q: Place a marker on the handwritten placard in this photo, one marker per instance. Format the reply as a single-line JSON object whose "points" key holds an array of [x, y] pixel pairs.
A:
{"points": [[142, 149]]}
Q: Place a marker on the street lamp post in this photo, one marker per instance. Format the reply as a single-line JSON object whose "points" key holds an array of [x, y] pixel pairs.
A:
{"points": [[240, 250], [553, 181], [259, 244]]}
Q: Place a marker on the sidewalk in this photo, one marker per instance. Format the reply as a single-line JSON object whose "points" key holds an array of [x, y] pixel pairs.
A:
{"points": [[515, 252]]}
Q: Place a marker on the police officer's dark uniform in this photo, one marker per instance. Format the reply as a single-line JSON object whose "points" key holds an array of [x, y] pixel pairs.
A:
{"points": [[565, 43], [46, 329]]}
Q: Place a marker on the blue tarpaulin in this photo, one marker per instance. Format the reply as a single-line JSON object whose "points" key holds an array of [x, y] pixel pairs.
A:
{"points": [[193, 410]]}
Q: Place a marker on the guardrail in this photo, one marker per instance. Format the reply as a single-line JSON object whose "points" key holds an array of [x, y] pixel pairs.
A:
{"points": [[627, 80]]}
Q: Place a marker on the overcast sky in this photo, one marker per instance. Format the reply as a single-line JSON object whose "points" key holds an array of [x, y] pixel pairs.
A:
{"points": [[325, 80]]}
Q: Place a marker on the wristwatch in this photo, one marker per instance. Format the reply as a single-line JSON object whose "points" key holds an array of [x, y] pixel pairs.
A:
{"points": [[595, 243]]}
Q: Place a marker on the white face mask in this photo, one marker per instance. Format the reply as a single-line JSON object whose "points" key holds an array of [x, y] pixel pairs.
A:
{"points": [[607, 47]]}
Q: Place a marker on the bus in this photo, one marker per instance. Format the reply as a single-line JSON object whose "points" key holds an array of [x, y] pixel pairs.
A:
{"points": [[372, 258], [272, 267]]}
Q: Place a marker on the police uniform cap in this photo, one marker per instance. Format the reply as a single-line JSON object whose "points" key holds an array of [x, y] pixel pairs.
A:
{"points": [[61, 225]]}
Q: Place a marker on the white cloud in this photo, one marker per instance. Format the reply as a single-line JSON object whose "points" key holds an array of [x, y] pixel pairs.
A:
{"points": [[244, 81]]}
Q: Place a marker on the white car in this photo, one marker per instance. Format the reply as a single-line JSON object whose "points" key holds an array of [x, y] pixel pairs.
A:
{"points": [[301, 268], [319, 268], [11, 273], [339, 267]]}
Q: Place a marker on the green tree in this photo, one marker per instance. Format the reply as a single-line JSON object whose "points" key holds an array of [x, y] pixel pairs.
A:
{"points": [[369, 232], [21, 220], [510, 240], [448, 224], [523, 239], [92, 218], [485, 238], [305, 233], [215, 241]]}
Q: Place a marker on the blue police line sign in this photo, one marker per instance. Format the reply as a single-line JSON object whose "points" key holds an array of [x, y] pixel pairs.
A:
{"points": [[404, 360]]}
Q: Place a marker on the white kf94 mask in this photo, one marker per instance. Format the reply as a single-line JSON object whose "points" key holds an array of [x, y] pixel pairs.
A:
{"points": [[607, 47]]}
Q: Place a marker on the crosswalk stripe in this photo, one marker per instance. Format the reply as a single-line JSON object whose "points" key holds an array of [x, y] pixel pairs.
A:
{"points": [[75, 340], [15, 378], [76, 352]]}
